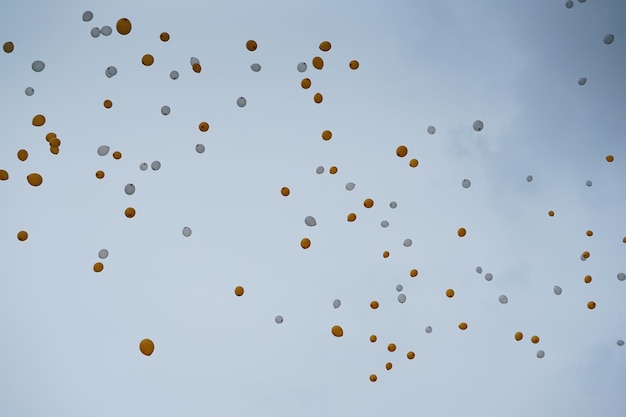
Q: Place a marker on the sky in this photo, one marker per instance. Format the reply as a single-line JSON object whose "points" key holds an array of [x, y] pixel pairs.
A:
{"points": [[70, 336]]}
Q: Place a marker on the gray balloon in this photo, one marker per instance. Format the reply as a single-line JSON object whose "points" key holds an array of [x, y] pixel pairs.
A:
{"points": [[194, 60], [503, 299], [393, 204], [200, 148], [569, 4], [479, 269], [87, 16], [401, 298], [621, 276], [95, 32], [255, 67], [399, 288], [466, 183], [337, 303], [620, 342], [29, 91], [278, 319], [174, 75], [103, 253], [609, 38], [103, 150], [241, 102], [529, 178], [156, 165], [129, 189], [110, 71], [319, 170], [478, 125], [582, 81], [301, 67], [165, 110], [310, 221], [186, 231], [431, 130], [540, 354], [428, 329], [38, 66], [384, 223], [488, 276], [350, 186], [407, 242], [557, 290], [588, 183], [143, 166], [106, 30]]}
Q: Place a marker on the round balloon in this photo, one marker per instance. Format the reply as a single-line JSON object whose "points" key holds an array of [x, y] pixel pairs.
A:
{"points": [[301, 67], [95, 32], [478, 125], [103, 253], [350, 186], [87, 16], [156, 165], [336, 303], [200, 148], [29, 91], [146, 346], [165, 110], [401, 298], [106, 30], [278, 319], [466, 183], [255, 67], [609, 38], [129, 189], [407, 243], [503, 299], [241, 102], [582, 81], [310, 221], [428, 329], [557, 290], [431, 130], [488, 276], [186, 231], [174, 75]]}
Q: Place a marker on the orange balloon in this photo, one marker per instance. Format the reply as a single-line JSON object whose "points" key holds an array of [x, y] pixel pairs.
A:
{"points": [[325, 46], [98, 267], [107, 104], [318, 98], [22, 235], [99, 174], [146, 346], [251, 45], [22, 155], [374, 305], [591, 305], [34, 179], [461, 232], [368, 203], [164, 36], [413, 273], [402, 151], [123, 26], [285, 191], [147, 60], [373, 338], [318, 63], [327, 134], [4, 175], [391, 347], [351, 217], [354, 64], [239, 291], [203, 126], [305, 243], [449, 293], [130, 212], [519, 336], [305, 83], [337, 331], [39, 120], [463, 326]]}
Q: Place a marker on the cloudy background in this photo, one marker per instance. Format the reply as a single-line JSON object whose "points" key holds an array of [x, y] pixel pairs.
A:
{"points": [[69, 336]]}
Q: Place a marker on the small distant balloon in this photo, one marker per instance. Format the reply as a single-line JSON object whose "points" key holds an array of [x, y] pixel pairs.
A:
{"points": [[529, 178], [106, 30], [620, 342], [557, 290], [609, 38], [241, 102], [478, 125], [29, 91], [479, 270], [399, 288], [123, 26], [146, 346], [95, 32], [278, 319], [301, 67], [428, 329], [393, 204], [38, 66], [87, 16], [143, 166], [165, 110], [582, 81], [103, 253], [503, 299], [156, 165], [488, 276], [337, 331], [401, 298], [310, 221], [129, 189], [384, 223], [174, 75], [193, 60], [186, 231], [431, 130], [350, 186], [540, 354], [466, 183], [569, 4], [588, 183], [336, 303], [200, 148], [407, 243], [110, 71], [621, 276], [319, 170], [255, 67], [251, 45]]}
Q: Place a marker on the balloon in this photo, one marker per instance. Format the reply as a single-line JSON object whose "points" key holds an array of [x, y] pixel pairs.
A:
{"points": [[620, 342], [449, 293], [123, 26], [591, 305], [540, 354], [38, 66], [557, 290], [588, 183], [519, 336], [461, 232], [373, 377], [391, 347], [463, 326], [186, 231], [319, 170], [337, 331], [401, 298], [301, 66], [325, 46], [305, 243], [147, 60], [241, 102], [164, 36], [8, 47], [373, 338], [106, 30], [534, 339], [310, 221], [22, 155], [399, 288], [98, 267], [39, 120], [608, 38], [488, 276], [107, 104], [284, 191], [103, 253], [386, 254], [374, 305], [193, 60], [585, 255], [327, 135], [95, 32], [165, 110], [318, 63], [336, 303], [503, 299], [621, 276], [4, 175], [587, 279], [203, 126], [146, 346], [332, 170], [129, 189], [479, 270], [529, 178], [29, 91], [466, 183], [354, 64], [318, 98], [350, 186], [551, 213], [431, 130], [99, 174], [384, 223], [130, 212], [197, 68], [413, 163], [428, 329], [388, 366], [200, 148], [407, 243], [110, 71], [402, 151], [174, 75], [87, 16], [251, 45], [278, 319], [156, 165], [351, 217], [55, 142], [22, 235], [413, 273], [117, 155], [143, 166], [239, 291], [610, 158], [393, 204], [569, 4], [34, 179], [255, 67], [478, 125], [410, 355], [305, 83], [368, 203]]}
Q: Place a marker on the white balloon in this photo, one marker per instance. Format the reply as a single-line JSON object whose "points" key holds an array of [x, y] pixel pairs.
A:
{"points": [[620, 342], [310, 221], [384, 223], [621, 276], [129, 189], [174, 75], [478, 125], [186, 231], [200, 148], [155, 165], [407, 242], [609, 38], [503, 299], [278, 319], [393, 204], [29, 91], [241, 102], [103, 253], [557, 290], [319, 170], [255, 67], [301, 67], [38, 66], [401, 298], [582, 81], [337, 303], [466, 183], [106, 30], [350, 186], [569, 4], [540, 354], [95, 32], [103, 150], [431, 130], [194, 60], [479, 269], [488, 276], [399, 288], [428, 329], [143, 166], [529, 178], [588, 183], [165, 110], [87, 16], [110, 71]]}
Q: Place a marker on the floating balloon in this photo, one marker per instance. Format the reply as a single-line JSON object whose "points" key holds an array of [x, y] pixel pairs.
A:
{"points": [[241, 102], [106, 30], [399, 288], [285, 191], [354, 64], [368, 203], [591, 305], [310, 221], [582, 81], [540, 354], [164, 36], [488, 276], [87, 16], [608, 38], [402, 151], [22, 155], [466, 183], [99, 174], [103, 253], [129, 189], [143, 166], [305, 243], [123, 26], [325, 46], [621, 276], [620, 342], [401, 298], [146, 346], [318, 63], [534, 339], [165, 110], [251, 45], [428, 329], [557, 290], [38, 66], [479, 270], [350, 186], [588, 183], [39, 120], [478, 125], [117, 155], [34, 179], [319, 170], [8, 47], [130, 212], [503, 299], [278, 319], [255, 67], [22, 235], [351, 217], [373, 338], [95, 32], [156, 165], [384, 223], [98, 267], [463, 326], [239, 291], [413, 273], [519, 336], [461, 232], [110, 71], [449, 293], [431, 130], [203, 126], [301, 67], [569, 4], [305, 83], [186, 231], [29, 91], [374, 305], [174, 75], [337, 331], [336, 303]]}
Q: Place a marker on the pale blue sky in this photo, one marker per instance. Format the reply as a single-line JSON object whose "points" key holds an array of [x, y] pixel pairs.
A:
{"points": [[70, 336]]}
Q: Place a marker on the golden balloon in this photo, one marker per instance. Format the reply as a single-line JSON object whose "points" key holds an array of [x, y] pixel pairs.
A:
{"points": [[284, 191], [374, 305], [461, 232], [305, 83], [337, 331], [130, 212], [519, 336], [327, 135], [203, 126], [34, 179], [305, 243], [251, 45], [402, 151], [239, 291], [147, 60], [39, 120], [98, 267], [351, 217], [22, 235], [123, 26], [146, 346]]}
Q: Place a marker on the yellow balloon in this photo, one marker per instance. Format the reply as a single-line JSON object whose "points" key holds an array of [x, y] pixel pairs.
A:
{"points": [[22, 155], [519, 336], [22, 235], [98, 267], [337, 331], [239, 291], [34, 179], [402, 151], [123, 26], [146, 346], [39, 120], [147, 60], [284, 191], [305, 243]]}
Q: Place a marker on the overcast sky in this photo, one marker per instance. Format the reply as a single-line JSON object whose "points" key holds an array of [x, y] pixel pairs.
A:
{"points": [[69, 342]]}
